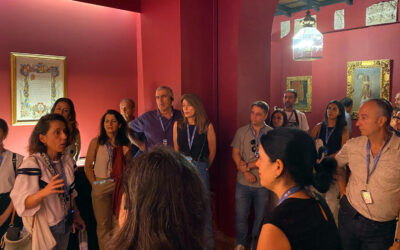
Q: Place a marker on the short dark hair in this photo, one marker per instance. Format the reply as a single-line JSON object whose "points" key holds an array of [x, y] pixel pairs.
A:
{"points": [[261, 104], [296, 149], [283, 113], [41, 128], [291, 91], [4, 127], [165, 201], [121, 138], [347, 102], [384, 106]]}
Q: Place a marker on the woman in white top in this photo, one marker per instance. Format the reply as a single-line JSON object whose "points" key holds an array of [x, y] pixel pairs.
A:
{"points": [[65, 107], [44, 186], [105, 162], [9, 161]]}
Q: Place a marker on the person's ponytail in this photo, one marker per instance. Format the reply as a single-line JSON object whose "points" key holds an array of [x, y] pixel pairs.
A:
{"points": [[323, 174]]}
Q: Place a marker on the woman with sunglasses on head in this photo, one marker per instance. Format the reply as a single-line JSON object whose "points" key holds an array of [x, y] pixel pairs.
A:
{"points": [[65, 107], [9, 162], [287, 166], [278, 119], [194, 137], [44, 193], [104, 166]]}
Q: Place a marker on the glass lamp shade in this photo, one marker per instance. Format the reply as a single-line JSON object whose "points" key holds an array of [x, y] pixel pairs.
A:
{"points": [[307, 44]]}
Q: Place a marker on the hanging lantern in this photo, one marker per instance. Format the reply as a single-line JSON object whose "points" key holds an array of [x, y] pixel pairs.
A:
{"points": [[308, 41]]}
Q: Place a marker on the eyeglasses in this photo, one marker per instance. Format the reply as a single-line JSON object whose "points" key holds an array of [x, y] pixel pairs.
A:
{"points": [[254, 147]]}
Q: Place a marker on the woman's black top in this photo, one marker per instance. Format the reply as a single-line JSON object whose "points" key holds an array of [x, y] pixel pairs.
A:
{"points": [[303, 223], [335, 140], [199, 150]]}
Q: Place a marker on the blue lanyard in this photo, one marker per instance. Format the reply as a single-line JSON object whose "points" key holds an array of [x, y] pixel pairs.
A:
{"points": [[257, 137], [53, 165], [110, 152], [190, 141], [376, 158], [168, 123], [327, 134], [1, 156], [289, 192]]}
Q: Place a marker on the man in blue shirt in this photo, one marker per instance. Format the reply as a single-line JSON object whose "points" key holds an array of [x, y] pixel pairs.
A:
{"points": [[155, 127]]}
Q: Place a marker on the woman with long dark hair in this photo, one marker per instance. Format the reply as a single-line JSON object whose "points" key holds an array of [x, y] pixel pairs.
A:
{"points": [[278, 119], [194, 137], [104, 166], [165, 204], [287, 165], [44, 193], [65, 107], [332, 133]]}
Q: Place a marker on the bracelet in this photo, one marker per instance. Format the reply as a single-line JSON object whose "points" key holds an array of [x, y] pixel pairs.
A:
{"points": [[396, 240]]}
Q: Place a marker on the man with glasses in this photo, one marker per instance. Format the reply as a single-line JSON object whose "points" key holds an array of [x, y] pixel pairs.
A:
{"points": [[245, 147]]}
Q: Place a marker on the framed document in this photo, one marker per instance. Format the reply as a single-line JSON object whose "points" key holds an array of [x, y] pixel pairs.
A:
{"points": [[37, 81]]}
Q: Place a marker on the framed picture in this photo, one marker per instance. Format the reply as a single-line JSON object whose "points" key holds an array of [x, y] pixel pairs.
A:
{"points": [[302, 85], [367, 79], [37, 81]]}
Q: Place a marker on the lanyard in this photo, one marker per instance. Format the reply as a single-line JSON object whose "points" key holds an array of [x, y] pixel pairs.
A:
{"points": [[190, 141], [327, 134], [291, 114], [110, 151], [53, 165], [376, 158], [289, 192], [168, 123], [1, 156], [257, 137]]}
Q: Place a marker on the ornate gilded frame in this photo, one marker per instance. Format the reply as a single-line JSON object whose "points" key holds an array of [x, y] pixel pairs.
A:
{"points": [[304, 94], [382, 81], [44, 75]]}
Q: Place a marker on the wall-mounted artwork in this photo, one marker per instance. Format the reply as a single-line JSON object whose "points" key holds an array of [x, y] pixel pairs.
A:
{"points": [[380, 13], [302, 85], [37, 81], [367, 79]]}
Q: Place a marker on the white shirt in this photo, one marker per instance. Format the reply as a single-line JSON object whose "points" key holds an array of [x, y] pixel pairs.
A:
{"points": [[26, 185], [7, 173]]}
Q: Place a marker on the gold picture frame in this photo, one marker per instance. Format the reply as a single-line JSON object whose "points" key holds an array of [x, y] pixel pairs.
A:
{"points": [[37, 81], [368, 79], [302, 85]]}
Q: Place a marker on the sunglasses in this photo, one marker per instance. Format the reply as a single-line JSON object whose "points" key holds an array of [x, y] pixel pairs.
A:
{"points": [[254, 147], [396, 117]]}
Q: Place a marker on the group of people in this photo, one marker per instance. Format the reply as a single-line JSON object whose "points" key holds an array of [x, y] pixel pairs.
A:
{"points": [[150, 185]]}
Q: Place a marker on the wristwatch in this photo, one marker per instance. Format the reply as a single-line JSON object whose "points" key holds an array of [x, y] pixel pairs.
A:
{"points": [[247, 167]]}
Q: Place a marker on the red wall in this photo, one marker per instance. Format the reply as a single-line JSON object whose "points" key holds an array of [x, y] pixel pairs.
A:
{"points": [[329, 73], [160, 53], [100, 46]]}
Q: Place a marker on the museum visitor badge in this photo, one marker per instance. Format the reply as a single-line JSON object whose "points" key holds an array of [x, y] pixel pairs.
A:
{"points": [[366, 196]]}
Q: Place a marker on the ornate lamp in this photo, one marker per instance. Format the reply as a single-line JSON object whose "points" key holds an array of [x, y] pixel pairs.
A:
{"points": [[308, 42]]}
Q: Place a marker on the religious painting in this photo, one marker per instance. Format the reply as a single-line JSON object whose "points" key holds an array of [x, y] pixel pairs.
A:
{"points": [[302, 85], [367, 79], [37, 81]]}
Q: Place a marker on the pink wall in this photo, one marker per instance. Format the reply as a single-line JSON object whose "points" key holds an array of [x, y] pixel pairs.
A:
{"points": [[100, 46], [329, 73]]}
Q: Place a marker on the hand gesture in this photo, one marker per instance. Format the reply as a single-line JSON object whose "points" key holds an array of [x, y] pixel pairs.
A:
{"points": [[55, 186], [79, 223], [251, 178]]}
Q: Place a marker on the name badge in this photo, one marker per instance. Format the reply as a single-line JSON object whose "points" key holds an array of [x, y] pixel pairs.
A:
{"points": [[165, 142], [366, 197], [189, 158]]}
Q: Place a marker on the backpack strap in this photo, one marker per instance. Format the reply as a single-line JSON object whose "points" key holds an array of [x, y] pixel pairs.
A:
{"points": [[14, 162]]}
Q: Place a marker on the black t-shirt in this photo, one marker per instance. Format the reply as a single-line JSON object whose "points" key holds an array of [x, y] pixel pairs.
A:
{"points": [[199, 150], [335, 140], [303, 223]]}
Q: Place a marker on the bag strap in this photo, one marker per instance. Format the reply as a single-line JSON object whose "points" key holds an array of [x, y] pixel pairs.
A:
{"points": [[12, 217], [14, 162]]}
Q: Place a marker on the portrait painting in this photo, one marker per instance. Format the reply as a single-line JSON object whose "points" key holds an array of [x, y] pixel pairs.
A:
{"points": [[37, 81], [302, 85], [366, 80]]}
